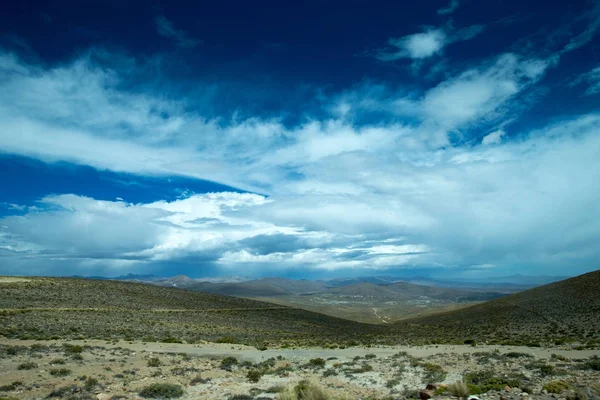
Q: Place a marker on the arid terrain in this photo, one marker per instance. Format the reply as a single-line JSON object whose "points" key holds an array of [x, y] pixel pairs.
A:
{"points": [[122, 370], [92, 339]]}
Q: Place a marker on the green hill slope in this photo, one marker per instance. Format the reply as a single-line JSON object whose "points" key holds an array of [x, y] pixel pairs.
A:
{"points": [[79, 308]]}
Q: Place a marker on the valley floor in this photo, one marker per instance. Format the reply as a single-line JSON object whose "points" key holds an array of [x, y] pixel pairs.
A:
{"points": [[95, 369]]}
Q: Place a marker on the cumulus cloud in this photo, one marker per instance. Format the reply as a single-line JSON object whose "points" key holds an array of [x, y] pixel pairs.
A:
{"points": [[166, 29]]}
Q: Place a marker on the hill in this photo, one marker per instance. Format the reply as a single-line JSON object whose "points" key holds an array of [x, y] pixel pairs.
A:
{"points": [[42, 308], [557, 311]]}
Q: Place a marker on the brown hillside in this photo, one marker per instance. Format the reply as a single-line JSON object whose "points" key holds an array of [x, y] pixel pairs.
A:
{"points": [[569, 308]]}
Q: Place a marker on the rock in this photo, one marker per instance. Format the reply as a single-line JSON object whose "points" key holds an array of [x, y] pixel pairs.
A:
{"points": [[426, 394], [507, 389], [504, 398], [103, 396], [472, 397], [431, 386]]}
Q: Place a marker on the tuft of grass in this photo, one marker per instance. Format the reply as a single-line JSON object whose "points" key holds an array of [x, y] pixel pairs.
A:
{"points": [[161, 391], [27, 366], [459, 389], [305, 390]]}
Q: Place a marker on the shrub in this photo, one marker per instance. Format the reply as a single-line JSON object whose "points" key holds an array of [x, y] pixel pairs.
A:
{"points": [[58, 361], [241, 397], [60, 371], [197, 380], [254, 375], [559, 357], [593, 363], [11, 387], [547, 370], [486, 381], [459, 389], [392, 382], [161, 391], [73, 348], [90, 384], [154, 362], [556, 387], [316, 363], [172, 340], [275, 389], [329, 372], [434, 373], [516, 354], [228, 362], [370, 356], [227, 339], [27, 366]]}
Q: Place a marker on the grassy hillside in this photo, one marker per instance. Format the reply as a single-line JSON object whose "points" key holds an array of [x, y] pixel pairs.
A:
{"points": [[565, 309], [78, 308]]}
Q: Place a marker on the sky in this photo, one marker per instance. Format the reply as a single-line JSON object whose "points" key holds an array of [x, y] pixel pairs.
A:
{"points": [[300, 139]]}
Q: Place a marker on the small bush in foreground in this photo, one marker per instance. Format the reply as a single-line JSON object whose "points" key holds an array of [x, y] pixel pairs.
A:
{"points": [[172, 340], [11, 387], [161, 391], [27, 366]]}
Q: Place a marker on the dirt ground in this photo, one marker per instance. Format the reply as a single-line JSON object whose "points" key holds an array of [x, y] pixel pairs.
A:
{"points": [[105, 370]]}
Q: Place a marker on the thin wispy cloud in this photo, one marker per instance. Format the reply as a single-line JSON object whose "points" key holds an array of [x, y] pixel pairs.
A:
{"points": [[450, 8], [167, 29]]}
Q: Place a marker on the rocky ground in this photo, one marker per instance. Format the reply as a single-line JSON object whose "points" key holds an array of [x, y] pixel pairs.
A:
{"points": [[127, 370]]}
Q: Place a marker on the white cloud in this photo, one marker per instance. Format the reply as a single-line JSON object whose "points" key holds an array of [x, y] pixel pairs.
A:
{"points": [[380, 195], [592, 79], [167, 29], [450, 8], [426, 44], [493, 137]]}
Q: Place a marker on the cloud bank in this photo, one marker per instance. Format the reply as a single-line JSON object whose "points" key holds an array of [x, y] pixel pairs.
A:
{"points": [[441, 181]]}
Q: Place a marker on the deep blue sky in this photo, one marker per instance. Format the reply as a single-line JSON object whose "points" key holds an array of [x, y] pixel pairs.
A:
{"points": [[325, 138]]}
